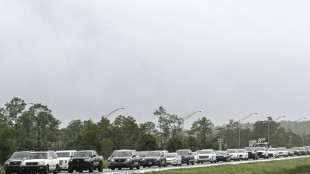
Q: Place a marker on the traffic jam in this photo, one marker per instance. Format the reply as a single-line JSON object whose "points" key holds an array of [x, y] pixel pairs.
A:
{"points": [[47, 161]]}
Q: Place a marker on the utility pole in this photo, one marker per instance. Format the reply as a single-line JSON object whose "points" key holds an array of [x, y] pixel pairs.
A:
{"points": [[185, 118], [110, 113]]}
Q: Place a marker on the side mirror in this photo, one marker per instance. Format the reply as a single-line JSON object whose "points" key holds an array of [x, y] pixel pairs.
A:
{"points": [[94, 155], [134, 156], [72, 156], [162, 155], [190, 153]]}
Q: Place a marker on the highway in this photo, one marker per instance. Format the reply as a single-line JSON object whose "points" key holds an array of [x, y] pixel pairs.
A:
{"points": [[157, 169]]}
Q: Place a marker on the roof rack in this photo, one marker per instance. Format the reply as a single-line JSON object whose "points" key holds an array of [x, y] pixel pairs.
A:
{"points": [[42, 149]]}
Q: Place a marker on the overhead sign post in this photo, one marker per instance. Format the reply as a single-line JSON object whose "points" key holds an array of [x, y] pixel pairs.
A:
{"points": [[220, 141]]}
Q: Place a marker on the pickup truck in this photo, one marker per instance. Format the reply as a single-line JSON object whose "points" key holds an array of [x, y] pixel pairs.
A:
{"points": [[86, 160]]}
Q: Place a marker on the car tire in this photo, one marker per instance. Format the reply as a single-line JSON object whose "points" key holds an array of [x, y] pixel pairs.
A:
{"points": [[187, 163], [56, 170], [100, 168], [119, 168], [138, 166], [112, 168], [80, 171], [91, 168], [70, 171], [46, 170]]}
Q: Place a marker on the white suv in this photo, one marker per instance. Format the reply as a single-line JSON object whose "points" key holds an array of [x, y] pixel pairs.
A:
{"points": [[64, 157], [40, 161]]}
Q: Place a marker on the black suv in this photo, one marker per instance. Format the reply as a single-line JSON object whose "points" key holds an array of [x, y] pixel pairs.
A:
{"points": [[12, 165], [86, 160], [154, 158], [125, 159], [187, 156], [252, 153]]}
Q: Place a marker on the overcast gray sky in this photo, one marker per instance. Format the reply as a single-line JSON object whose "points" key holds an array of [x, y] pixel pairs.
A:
{"points": [[228, 59]]}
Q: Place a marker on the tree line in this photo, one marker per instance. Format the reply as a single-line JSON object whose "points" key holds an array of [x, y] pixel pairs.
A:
{"points": [[36, 127]]}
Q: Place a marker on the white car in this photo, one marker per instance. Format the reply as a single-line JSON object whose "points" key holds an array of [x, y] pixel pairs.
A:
{"points": [[273, 152], [195, 156], [173, 159], [206, 155], [234, 155], [243, 155], [262, 152], [282, 151], [41, 161], [64, 157]]}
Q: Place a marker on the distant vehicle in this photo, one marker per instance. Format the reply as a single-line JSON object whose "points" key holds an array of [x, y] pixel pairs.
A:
{"points": [[110, 157], [243, 155], [303, 151], [142, 154], [222, 156], [173, 159], [207, 155], [86, 160], [262, 152], [12, 165], [125, 159], [296, 151], [154, 158], [195, 157], [187, 156], [64, 157], [308, 149], [273, 152], [233, 154], [282, 151], [252, 152], [40, 161], [262, 142], [290, 152]]}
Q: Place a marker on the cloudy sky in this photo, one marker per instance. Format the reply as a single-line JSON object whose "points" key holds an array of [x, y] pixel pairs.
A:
{"points": [[228, 59]]}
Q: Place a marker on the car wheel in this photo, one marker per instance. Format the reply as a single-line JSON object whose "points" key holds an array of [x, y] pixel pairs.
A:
{"points": [[100, 168], [112, 168], [56, 170], [119, 168], [160, 164], [80, 171], [70, 171], [91, 168], [138, 166], [187, 162], [131, 167]]}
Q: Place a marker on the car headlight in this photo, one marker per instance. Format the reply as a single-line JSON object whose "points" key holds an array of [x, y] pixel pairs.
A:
{"points": [[7, 162], [42, 163], [143, 159], [23, 163], [112, 160], [87, 159], [127, 160]]}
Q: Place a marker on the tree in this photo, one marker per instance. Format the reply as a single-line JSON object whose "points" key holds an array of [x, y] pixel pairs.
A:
{"points": [[174, 143], [202, 128]]}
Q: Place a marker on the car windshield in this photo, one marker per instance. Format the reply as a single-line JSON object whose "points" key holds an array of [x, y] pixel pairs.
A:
{"points": [[231, 151], [205, 152], [82, 154], [123, 154], [37, 156], [281, 148], [113, 153], [272, 149], [153, 154], [250, 148], [19, 155], [142, 154], [260, 148], [170, 155], [63, 154], [182, 152], [294, 148], [302, 148], [221, 153], [241, 150]]}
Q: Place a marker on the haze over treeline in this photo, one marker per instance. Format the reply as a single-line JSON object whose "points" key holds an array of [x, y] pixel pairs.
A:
{"points": [[25, 127]]}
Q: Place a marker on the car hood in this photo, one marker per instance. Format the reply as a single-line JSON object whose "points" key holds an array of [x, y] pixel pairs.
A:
{"points": [[80, 157], [171, 158], [64, 158], [35, 160]]}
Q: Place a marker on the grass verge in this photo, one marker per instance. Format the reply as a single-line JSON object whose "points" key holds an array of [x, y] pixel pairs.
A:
{"points": [[292, 166]]}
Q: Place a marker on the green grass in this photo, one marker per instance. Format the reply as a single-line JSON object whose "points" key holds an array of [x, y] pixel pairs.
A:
{"points": [[293, 166]]}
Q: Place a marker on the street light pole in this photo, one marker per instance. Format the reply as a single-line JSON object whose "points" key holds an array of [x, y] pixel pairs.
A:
{"points": [[303, 137], [270, 118], [185, 118], [240, 122], [110, 113]]}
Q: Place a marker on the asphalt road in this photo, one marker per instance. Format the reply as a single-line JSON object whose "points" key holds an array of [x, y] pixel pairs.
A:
{"points": [[157, 169]]}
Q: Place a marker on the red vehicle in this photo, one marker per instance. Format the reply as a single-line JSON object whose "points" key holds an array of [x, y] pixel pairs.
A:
{"points": [[290, 152]]}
